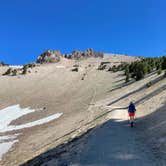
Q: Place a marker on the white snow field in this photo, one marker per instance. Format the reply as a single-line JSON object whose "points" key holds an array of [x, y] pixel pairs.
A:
{"points": [[11, 113], [7, 137], [16, 66], [6, 143], [7, 115], [5, 146]]}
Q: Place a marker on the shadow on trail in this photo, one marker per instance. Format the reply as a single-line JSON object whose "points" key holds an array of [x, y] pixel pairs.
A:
{"points": [[124, 84], [113, 143], [153, 82], [149, 96], [127, 95], [123, 79]]}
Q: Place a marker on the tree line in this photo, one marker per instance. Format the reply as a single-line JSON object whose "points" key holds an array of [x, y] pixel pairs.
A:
{"points": [[138, 69]]}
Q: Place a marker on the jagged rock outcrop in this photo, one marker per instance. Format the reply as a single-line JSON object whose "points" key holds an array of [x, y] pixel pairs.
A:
{"points": [[84, 54], [53, 56], [49, 56]]}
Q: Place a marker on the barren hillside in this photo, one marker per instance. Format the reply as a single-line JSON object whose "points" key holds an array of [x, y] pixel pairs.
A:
{"points": [[85, 99]]}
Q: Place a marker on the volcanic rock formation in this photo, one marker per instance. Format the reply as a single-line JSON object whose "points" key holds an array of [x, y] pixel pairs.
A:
{"points": [[49, 56]]}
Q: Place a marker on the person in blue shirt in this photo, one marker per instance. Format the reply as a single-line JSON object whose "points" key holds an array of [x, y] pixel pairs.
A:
{"points": [[131, 111]]}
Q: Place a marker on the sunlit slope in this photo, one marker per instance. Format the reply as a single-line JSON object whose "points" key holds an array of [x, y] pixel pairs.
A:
{"points": [[81, 97]]}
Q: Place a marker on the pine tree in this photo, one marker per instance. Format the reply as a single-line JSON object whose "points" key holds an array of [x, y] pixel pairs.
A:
{"points": [[163, 65], [165, 74], [127, 77], [24, 69], [14, 72], [140, 71], [159, 71], [8, 72], [127, 73]]}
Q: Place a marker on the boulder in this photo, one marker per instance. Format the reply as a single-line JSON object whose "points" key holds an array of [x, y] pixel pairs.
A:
{"points": [[49, 56], [84, 54]]}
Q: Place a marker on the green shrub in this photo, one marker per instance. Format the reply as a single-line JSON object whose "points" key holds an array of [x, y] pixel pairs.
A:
{"points": [[163, 65], [138, 69], [149, 84], [102, 67], [25, 68], [127, 77], [75, 69], [14, 72], [149, 68], [114, 68], [103, 63], [126, 70], [8, 72], [159, 71], [139, 75], [158, 66], [30, 65]]}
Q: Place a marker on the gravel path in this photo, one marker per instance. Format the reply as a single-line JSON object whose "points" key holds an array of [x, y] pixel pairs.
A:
{"points": [[115, 144]]}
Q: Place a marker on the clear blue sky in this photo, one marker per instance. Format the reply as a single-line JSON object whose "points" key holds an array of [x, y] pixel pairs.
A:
{"points": [[28, 27]]}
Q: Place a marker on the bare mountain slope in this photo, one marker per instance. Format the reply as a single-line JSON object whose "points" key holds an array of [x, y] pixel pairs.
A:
{"points": [[85, 103]]}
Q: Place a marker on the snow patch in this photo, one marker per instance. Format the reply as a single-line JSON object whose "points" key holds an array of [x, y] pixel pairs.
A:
{"points": [[14, 112], [7, 137], [32, 124], [7, 115], [4, 147], [16, 66], [11, 113]]}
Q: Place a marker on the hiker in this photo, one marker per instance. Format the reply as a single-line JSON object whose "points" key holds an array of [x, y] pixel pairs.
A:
{"points": [[131, 111]]}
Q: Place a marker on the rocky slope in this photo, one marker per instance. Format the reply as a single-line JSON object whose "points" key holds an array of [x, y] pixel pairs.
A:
{"points": [[49, 56], [113, 142], [54, 56], [85, 103], [84, 54]]}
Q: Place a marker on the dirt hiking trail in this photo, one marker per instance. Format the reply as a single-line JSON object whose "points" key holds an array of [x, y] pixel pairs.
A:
{"points": [[115, 144], [112, 142], [94, 128]]}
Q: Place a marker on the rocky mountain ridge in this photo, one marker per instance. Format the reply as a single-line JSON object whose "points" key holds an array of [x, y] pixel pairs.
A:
{"points": [[54, 56]]}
